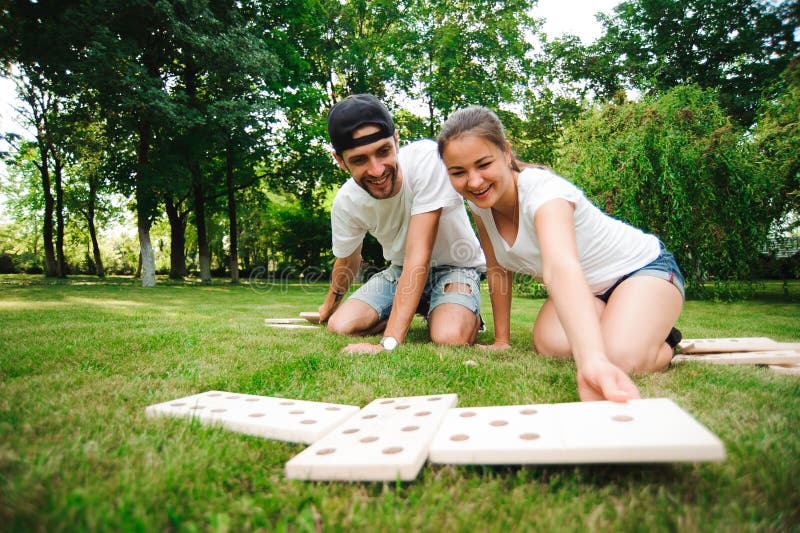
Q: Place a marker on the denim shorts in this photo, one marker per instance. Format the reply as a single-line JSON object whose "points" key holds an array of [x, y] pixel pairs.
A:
{"points": [[662, 267], [379, 291]]}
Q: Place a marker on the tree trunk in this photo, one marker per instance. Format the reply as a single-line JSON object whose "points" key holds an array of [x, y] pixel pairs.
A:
{"points": [[177, 233], [143, 201], [98, 260], [234, 235], [61, 268], [200, 223], [50, 265]]}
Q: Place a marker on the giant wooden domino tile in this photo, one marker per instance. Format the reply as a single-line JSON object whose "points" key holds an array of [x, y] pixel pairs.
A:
{"points": [[261, 416], [653, 430], [387, 440], [741, 344], [271, 321], [793, 370], [287, 323], [778, 357]]}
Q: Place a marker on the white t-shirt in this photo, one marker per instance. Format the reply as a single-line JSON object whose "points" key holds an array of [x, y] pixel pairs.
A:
{"points": [[607, 248], [426, 187]]}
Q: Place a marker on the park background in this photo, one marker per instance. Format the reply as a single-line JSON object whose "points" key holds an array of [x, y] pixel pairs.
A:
{"points": [[194, 131], [187, 138]]}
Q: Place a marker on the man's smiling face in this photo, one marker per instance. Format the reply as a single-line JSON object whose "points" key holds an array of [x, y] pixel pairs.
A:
{"points": [[374, 166]]}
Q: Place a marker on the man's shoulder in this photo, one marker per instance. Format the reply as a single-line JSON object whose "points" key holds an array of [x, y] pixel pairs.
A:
{"points": [[420, 148], [349, 194], [420, 162]]}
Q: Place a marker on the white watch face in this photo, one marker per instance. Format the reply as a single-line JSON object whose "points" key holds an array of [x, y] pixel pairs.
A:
{"points": [[389, 343]]}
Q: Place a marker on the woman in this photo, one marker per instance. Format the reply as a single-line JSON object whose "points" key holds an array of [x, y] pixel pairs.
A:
{"points": [[614, 292]]}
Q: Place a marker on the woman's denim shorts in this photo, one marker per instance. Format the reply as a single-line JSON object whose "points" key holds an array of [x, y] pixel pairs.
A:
{"points": [[663, 267]]}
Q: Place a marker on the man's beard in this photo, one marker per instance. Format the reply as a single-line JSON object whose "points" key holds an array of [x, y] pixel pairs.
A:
{"points": [[392, 177]]}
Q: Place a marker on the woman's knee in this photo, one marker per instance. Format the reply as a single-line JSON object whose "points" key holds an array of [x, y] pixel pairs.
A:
{"points": [[637, 359]]}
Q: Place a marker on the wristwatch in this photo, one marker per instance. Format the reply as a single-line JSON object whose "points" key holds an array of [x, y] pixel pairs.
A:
{"points": [[389, 343]]}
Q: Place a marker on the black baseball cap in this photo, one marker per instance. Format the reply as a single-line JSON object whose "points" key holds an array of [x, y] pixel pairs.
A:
{"points": [[353, 112]]}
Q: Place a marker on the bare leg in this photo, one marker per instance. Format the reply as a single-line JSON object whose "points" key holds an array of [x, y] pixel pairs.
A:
{"points": [[637, 319], [453, 324], [549, 337], [354, 317], [634, 323]]}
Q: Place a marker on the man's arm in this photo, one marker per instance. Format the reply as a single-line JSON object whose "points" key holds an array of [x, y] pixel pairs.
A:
{"points": [[344, 271], [422, 230]]}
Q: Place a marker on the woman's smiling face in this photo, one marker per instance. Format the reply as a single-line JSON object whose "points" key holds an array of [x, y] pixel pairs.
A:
{"points": [[479, 170]]}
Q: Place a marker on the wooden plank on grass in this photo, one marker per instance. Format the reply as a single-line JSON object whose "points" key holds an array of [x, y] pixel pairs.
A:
{"points": [[777, 357], [733, 345]]}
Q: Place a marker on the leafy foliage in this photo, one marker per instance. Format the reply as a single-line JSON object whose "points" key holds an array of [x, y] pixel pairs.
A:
{"points": [[676, 166], [738, 47]]}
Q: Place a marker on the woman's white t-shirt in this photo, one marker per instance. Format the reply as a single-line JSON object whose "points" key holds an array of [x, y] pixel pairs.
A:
{"points": [[607, 248], [426, 187]]}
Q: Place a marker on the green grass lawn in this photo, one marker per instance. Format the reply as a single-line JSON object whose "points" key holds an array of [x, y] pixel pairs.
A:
{"points": [[80, 361]]}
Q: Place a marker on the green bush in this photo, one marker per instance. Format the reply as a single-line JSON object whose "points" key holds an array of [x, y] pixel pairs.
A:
{"points": [[674, 165]]}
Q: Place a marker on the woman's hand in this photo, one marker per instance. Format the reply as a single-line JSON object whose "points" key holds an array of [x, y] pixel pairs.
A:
{"points": [[362, 347], [599, 379]]}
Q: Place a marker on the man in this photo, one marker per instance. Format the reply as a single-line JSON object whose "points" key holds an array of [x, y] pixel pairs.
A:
{"points": [[402, 197]]}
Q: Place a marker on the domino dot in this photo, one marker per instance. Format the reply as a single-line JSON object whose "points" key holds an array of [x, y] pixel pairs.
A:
{"points": [[402, 407], [368, 416], [232, 397], [215, 394], [287, 403], [410, 428], [422, 413], [392, 450], [296, 412], [333, 409], [179, 404], [369, 439], [256, 415], [467, 414], [459, 437], [387, 401], [252, 400], [326, 451], [198, 407], [498, 423], [529, 411], [350, 431], [218, 410], [308, 422], [622, 418], [435, 399], [529, 436]]}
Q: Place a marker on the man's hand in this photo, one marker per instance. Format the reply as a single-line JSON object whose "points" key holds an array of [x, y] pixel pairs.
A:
{"points": [[325, 313], [601, 380], [497, 346], [362, 347]]}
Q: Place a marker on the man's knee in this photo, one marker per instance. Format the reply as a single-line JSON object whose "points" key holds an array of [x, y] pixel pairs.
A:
{"points": [[460, 288], [340, 325], [454, 325], [345, 322]]}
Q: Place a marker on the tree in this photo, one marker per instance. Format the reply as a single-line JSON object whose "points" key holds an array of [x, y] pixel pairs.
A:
{"points": [[42, 114], [676, 166], [777, 133], [452, 54], [24, 204], [738, 47]]}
